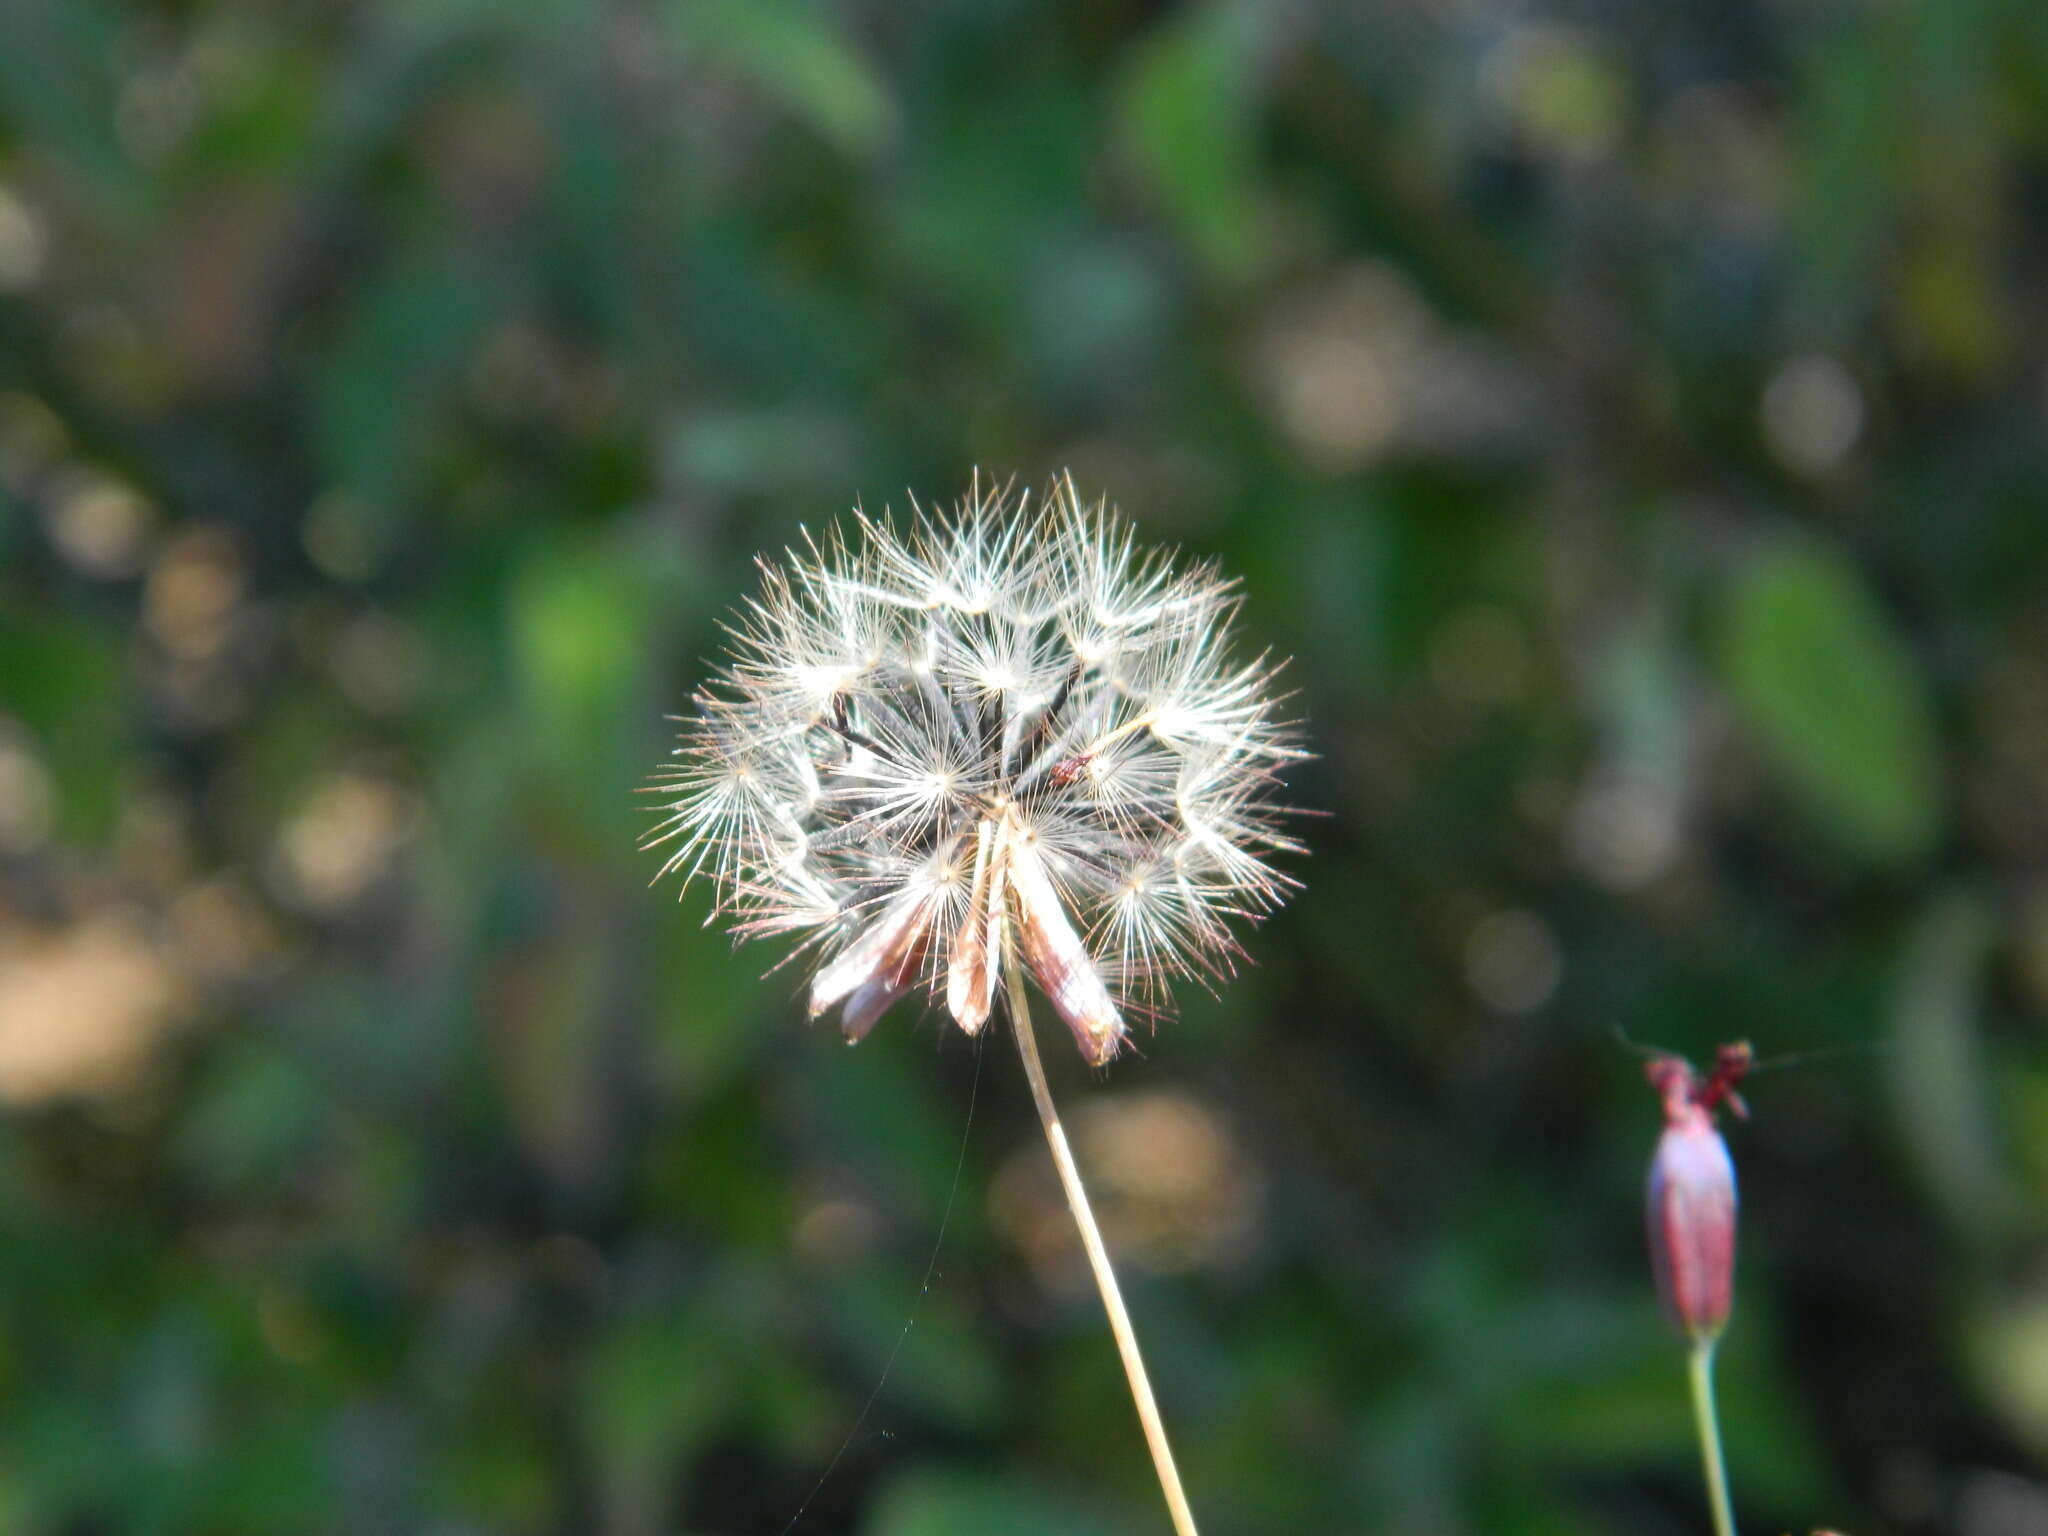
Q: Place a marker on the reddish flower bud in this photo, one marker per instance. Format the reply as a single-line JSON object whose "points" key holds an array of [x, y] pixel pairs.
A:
{"points": [[1691, 1196]]}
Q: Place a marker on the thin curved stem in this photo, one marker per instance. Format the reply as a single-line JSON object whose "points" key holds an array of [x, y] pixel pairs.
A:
{"points": [[1701, 1370], [1098, 1256]]}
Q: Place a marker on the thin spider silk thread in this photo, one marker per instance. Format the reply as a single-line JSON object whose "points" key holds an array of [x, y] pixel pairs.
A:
{"points": [[924, 1289]]}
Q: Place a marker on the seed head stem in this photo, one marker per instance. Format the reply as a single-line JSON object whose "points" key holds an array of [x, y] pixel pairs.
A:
{"points": [[1098, 1256], [1701, 1370]]}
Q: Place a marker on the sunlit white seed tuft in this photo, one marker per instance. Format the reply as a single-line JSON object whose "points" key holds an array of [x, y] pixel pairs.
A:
{"points": [[1004, 730]]}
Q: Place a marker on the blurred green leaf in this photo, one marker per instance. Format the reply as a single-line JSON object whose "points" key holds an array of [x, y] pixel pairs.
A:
{"points": [[64, 680], [988, 185], [1938, 1068], [708, 1004], [1817, 671], [931, 1503], [58, 84], [377, 387], [578, 613], [574, 638], [2007, 1338], [1849, 143], [1096, 320], [1188, 106], [790, 449], [495, 1469], [253, 1118], [654, 1387], [789, 50]]}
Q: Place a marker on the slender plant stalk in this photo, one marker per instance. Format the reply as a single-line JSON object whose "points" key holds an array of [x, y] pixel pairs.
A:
{"points": [[1098, 1256], [1701, 1369]]}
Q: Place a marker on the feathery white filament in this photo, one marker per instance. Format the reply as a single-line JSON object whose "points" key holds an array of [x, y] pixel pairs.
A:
{"points": [[1008, 716]]}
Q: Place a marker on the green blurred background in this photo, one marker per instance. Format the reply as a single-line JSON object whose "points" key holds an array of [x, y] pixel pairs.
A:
{"points": [[1633, 418]]}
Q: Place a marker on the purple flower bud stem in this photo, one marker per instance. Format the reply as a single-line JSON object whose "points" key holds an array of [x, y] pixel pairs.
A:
{"points": [[1701, 1370]]}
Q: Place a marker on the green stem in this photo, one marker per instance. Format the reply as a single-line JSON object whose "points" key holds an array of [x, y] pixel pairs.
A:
{"points": [[1701, 1371], [1098, 1256]]}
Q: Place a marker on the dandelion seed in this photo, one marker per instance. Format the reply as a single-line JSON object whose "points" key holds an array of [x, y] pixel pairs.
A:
{"points": [[1011, 719]]}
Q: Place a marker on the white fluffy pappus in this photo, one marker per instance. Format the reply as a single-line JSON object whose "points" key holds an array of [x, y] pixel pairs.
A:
{"points": [[1003, 731]]}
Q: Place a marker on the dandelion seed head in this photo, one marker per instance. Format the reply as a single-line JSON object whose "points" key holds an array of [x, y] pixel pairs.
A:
{"points": [[1007, 730]]}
